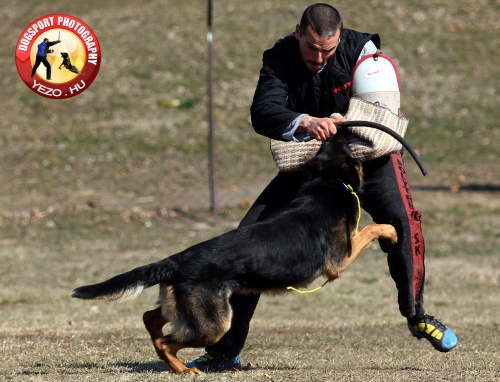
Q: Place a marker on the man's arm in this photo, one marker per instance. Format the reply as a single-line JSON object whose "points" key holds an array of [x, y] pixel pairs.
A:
{"points": [[271, 117], [317, 128], [269, 113]]}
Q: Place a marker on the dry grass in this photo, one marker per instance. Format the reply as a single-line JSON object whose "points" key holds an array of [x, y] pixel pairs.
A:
{"points": [[349, 331], [112, 179]]}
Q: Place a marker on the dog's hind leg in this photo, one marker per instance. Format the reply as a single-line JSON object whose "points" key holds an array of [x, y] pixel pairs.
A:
{"points": [[362, 240], [154, 322]]}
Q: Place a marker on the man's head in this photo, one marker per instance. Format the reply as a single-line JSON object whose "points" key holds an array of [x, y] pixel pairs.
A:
{"points": [[318, 34], [45, 39]]}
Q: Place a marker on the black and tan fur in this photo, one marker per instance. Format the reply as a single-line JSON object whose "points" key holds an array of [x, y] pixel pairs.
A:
{"points": [[312, 237]]}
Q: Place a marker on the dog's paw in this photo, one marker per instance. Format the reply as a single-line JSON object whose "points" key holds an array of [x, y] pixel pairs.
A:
{"points": [[192, 371], [393, 236], [388, 233]]}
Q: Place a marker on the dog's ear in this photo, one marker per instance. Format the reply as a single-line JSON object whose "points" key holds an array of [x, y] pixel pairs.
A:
{"points": [[354, 168], [341, 136], [312, 167]]}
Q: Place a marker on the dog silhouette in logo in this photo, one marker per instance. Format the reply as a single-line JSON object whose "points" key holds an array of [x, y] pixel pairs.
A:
{"points": [[68, 65]]}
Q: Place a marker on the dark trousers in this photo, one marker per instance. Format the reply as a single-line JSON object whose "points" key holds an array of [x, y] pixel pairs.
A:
{"points": [[42, 60], [387, 198]]}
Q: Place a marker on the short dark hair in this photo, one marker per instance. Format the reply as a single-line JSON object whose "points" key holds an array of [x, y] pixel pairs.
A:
{"points": [[323, 19]]}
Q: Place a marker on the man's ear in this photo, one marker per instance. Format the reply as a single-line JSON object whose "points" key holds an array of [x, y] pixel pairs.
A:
{"points": [[297, 32]]}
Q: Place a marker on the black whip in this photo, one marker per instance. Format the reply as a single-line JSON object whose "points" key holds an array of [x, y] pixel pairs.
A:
{"points": [[392, 133]]}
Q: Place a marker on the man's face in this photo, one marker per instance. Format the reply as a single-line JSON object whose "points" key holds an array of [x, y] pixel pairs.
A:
{"points": [[316, 50]]}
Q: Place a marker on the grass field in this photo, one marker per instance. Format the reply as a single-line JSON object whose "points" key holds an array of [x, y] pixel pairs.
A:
{"points": [[113, 178]]}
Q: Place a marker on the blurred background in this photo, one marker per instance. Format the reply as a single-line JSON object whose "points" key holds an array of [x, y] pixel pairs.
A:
{"points": [[138, 136]]}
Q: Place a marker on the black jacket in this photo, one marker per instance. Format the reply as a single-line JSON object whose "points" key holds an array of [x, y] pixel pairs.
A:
{"points": [[286, 88]]}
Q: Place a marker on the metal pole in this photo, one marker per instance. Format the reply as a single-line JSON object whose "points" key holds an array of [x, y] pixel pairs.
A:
{"points": [[211, 138]]}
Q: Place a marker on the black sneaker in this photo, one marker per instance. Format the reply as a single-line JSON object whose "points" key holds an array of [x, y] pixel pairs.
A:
{"points": [[439, 335], [212, 363]]}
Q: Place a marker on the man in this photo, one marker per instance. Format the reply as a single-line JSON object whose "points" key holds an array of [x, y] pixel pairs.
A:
{"points": [[305, 78], [41, 57]]}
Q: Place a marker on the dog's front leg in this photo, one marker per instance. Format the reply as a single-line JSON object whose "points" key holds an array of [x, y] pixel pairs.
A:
{"points": [[154, 322], [362, 240], [370, 233]]}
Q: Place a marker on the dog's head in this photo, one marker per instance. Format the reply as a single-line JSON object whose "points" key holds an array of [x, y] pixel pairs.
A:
{"points": [[334, 161], [64, 55]]}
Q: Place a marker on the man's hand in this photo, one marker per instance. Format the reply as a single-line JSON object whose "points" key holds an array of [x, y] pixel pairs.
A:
{"points": [[318, 128]]}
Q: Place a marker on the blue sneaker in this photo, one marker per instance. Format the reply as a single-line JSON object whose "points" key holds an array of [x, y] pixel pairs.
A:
{"points": [[439, 335], [212, 363]]}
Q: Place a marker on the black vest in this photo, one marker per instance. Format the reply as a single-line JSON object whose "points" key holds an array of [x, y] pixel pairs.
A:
{"points": [[327, 92]]}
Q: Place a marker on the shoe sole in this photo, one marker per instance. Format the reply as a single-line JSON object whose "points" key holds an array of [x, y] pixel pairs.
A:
{"points": [[434, 345]]}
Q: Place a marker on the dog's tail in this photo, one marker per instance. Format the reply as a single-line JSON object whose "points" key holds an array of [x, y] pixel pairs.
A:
{"points": [[128, 285]]}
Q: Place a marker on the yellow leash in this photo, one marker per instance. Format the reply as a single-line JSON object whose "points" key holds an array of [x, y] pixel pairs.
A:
{"points": [[307, 291], [348, 186]]}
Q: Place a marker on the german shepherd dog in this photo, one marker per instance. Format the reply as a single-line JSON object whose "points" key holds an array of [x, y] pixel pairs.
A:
{"points": [[312, 236], [68, 65]]}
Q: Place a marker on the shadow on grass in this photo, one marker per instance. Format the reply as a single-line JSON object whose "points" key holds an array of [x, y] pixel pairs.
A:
{"points": [[461, 188], [129, 367], [160, 367], [152, 367], [395, 368], [142, 367]]}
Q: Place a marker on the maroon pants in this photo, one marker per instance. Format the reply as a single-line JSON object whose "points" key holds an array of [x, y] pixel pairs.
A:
{"points": [[387, 198]]}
